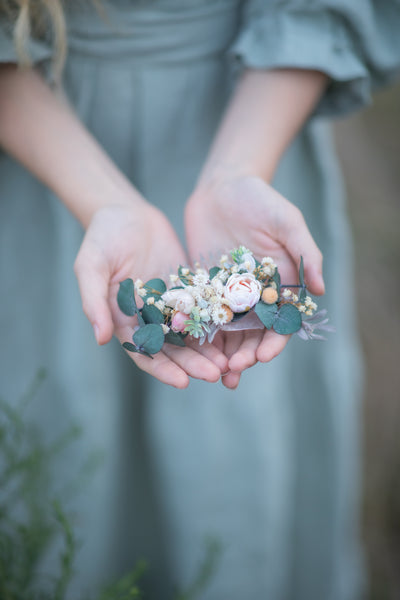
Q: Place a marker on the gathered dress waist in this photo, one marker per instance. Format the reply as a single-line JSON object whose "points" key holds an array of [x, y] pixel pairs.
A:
{"points": [[153, 32]]}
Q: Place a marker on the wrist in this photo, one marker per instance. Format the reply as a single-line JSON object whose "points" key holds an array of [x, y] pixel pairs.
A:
{"points": [[220, 171]]}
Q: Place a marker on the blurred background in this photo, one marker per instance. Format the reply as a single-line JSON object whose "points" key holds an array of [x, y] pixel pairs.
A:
{"points": [[368, 145]]}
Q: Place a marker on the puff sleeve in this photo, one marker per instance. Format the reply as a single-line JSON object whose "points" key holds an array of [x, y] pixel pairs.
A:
{"points": [[356, 43], [38, 50]]}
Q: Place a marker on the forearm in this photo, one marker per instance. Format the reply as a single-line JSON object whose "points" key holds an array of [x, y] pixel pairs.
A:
{"points": [[267, 110], [42, 133]]}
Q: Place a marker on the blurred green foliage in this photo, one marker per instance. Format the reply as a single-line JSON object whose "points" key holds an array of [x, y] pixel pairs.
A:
{"points": [[33, 523]]}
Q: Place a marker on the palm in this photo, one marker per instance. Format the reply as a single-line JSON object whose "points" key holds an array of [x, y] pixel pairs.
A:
{"points": [[246, 211], [123, 243]]}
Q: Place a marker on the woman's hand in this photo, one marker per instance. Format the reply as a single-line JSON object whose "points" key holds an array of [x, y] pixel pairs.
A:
{"points": [[245, 210], [135, 241]]}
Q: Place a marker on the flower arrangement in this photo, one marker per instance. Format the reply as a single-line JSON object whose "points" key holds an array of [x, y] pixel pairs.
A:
{"points": [[239, 293]]}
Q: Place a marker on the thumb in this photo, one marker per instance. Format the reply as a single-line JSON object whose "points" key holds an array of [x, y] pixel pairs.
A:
{"points": [[93, 279], [300, 243]]}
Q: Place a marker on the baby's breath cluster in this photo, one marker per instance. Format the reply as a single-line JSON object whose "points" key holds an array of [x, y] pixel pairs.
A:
{"points": [[306, 306], [201, 301]]}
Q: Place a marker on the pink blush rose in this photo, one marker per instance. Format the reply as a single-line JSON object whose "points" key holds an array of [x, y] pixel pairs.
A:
{"points": [[178, 321], [242, 292]]}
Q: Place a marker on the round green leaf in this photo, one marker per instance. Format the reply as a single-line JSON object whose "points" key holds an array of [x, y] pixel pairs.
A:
{"points": [[266, 313], [126, 298], [151, 314], [149, 338], [174, 338], [287, 320], [154, 287]]}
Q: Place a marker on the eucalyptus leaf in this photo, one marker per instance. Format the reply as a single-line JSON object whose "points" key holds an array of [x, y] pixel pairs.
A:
{"points": [[238, 316], [301, 272], [184, 278], [302, 294], [151, 314], [149, 338], [266, 313], [130, 347], [126, 298], [277, 279], [154, 288], [287, 320], [213, 272], [174, 338]]}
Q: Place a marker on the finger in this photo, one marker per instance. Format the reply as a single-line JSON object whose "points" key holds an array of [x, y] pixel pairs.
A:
{"points": [[211, 352], [245, 356], [162, 368], [193, 363], [299, 242], [93, 280], [232, 342], [231, 380], [271, 345]]}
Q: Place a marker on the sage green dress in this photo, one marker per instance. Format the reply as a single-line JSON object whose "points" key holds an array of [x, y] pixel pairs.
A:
{"points": [[272, 470]]}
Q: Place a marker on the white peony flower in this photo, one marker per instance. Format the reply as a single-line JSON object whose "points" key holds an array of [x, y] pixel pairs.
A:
{"points": [[242, 292]]}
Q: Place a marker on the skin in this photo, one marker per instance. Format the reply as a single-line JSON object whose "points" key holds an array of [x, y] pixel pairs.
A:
{"points": [[125, 235], [233, 202], [128, 237]]}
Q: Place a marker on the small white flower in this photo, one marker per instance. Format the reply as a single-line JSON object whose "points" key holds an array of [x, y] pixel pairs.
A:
{"points": [[224, 259], [201, 277], [138, 284], [165, 328], [160, 304], [208, 291], [267, 260], [219, 315], [302, 308], [248, 262], [204, 314], [308, 301], [173, 278], [150, 300], [217, 285], [185, 271], [286, 293], [222, 276], [309, 313], [235, 268], [268, 270], [313, 306], [141, 292], [295, 298]]}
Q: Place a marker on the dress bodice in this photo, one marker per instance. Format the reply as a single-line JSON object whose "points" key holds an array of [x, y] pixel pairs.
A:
{"points": [[158, 31]]}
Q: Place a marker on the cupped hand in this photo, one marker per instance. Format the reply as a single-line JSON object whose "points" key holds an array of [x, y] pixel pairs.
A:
{"points": [[137, 241], [247, 211]]}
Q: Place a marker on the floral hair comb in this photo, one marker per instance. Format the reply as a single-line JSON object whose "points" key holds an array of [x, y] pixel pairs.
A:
{"points": [[241, 293]]}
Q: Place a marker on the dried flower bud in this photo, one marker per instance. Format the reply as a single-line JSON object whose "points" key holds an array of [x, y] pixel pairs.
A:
{"points": [[269, 295]]}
